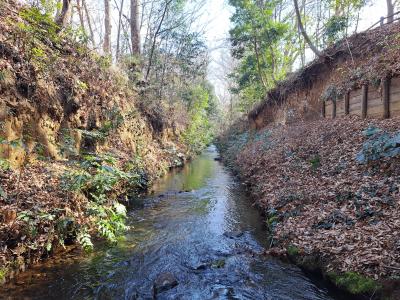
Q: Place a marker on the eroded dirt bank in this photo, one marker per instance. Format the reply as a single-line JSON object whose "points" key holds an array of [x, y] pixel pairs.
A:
{"points": [[330, 193], [76, 142]]}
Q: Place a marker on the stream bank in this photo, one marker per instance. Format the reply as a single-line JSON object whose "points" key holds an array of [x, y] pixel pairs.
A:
{"points": [[329, 192], [197, 232]]}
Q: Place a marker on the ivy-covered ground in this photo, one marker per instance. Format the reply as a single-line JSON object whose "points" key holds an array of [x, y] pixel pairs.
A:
{"points": [[329, 189]]}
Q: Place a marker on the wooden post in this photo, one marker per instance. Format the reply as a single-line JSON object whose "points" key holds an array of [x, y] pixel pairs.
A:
{"points": [[333, 109], [347, 103], [323, 109], [364, 101], [386, 97]]}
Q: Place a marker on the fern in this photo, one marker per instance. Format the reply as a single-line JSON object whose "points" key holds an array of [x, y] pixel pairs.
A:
{"points": [[107, 230], [85, 240]]}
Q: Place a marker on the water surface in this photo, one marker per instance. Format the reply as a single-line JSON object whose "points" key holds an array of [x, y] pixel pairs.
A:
{"points": [[179, 229]]}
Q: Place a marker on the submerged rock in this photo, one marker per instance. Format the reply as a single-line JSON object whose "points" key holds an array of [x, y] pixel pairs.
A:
{"points": [[200, 266], [223, 293], [164, 281], [220, 263], [233, 234]]}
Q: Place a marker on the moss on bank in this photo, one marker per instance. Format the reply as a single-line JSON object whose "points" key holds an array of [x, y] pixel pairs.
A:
{"points": [[351, 282], [355, 283]]}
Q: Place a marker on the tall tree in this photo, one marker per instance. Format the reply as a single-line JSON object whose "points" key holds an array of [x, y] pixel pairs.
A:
{"points": [[88, 21], [107, 28], [303, 31], [135, 27], [155, 35], [120, 9], [80, 14], [63, 18]]}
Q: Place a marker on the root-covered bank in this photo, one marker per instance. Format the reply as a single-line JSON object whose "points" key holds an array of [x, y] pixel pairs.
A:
{"points": [[330, 193]]}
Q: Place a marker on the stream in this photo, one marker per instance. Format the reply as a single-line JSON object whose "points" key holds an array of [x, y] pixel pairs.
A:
{"points": [[198, 229]]}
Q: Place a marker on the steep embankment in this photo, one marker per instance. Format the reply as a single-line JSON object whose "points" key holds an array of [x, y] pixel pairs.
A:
{"points": [[330, 193], [367, 59], [75, 141]]}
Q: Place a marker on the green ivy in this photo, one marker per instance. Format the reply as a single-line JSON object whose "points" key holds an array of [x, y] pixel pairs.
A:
{"points": [[379, 145]]}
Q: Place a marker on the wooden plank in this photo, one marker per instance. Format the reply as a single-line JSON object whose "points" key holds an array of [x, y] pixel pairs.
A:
{"points": [[375, 103], [373, 93], [339, 108], [394, 104], [394, 101], [357, 92], [395, 85], [355, 102], [333, 109], [386, 97], [347, 103], [364, 101], [375, 112], [328, 109]]}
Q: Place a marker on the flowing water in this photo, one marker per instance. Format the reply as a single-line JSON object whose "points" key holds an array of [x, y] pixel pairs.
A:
{"points": [[198, 226]]}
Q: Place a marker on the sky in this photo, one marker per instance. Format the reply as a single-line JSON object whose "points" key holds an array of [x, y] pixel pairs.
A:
{"points": [[217, 14]]}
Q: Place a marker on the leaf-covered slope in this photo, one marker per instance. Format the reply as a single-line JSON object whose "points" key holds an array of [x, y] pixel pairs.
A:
{"points": [[329, 190]]}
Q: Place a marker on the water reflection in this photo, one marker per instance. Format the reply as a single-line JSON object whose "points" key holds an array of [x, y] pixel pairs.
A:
{"points": [[180, 230]]}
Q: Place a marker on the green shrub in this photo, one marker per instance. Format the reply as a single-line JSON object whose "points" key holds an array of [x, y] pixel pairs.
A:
{"points": [[198, 134], [236, 143], [335, 28], [292, 251], [3, 274], [36, 31]]}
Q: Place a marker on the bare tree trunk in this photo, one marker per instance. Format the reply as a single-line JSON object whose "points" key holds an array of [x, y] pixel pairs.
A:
{"points": [[155, 38], [390, 11], [107, 28], [119, 29], [88, 21], [58, 9], [63, 18], [80, 13], [303, 32], [135, 27], [125, 28]]}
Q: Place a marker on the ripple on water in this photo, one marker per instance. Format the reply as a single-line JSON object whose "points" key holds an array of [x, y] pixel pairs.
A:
{"points": [[198, 226]]}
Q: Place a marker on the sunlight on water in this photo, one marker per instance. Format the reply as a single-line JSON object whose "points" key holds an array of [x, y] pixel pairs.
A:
{"points": [[199, 226]]}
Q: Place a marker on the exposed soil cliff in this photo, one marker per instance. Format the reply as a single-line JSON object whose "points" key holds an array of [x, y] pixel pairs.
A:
{"points": [[364, 58], [63, 106]]}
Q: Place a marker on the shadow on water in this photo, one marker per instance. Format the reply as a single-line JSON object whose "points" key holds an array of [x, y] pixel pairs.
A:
{"points": [[197, 225]]}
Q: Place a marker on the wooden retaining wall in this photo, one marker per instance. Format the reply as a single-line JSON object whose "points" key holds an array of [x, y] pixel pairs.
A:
{"points": [[369, 101]]}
